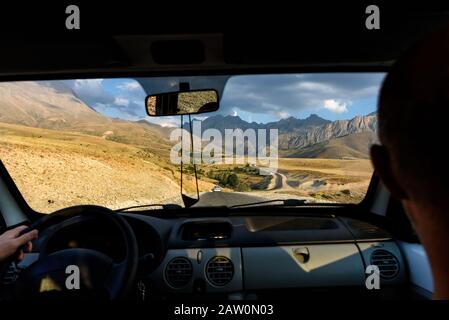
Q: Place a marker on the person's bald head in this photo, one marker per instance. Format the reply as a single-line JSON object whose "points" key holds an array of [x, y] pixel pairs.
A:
{"points": [[414, 131], [414, 115]]}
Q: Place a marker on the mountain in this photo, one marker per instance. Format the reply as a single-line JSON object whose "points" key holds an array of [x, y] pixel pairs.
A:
{"points": [[163, 131], [38, 105], [221, 123], [53, 105], [292, 124], [312, 136], [286, 125], [354, 145]]}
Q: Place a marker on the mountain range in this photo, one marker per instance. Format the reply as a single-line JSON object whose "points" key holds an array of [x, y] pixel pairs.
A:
{"points": [[53, 105], [312, 137]]}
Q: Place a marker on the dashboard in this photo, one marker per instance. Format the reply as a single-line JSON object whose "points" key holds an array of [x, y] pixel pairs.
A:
{"points": [[247, 257]]}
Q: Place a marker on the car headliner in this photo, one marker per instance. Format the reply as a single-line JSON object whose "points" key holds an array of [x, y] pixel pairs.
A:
{"points": [[301, 42]]}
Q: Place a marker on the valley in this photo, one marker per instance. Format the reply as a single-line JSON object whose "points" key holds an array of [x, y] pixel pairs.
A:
{"points": [[61, 152]]}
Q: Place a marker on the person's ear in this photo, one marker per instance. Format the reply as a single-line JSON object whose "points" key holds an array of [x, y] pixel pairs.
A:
{"points": [[382, 166]]}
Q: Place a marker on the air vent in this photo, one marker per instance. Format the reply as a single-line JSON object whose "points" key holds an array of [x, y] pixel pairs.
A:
{"points": [[386, 262], [219, 271], [178, 272]]}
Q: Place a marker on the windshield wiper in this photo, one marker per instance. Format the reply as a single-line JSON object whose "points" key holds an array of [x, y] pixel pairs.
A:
{"points": [[285, 202], [164, 206]]}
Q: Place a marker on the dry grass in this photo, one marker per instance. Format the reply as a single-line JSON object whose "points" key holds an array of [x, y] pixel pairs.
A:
{"points": [[54, 169]]}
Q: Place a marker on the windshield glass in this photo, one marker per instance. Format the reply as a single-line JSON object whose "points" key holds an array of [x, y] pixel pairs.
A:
{"points": [[286, 136]]}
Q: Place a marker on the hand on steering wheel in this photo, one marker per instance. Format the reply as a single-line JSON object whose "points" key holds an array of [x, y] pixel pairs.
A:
{"points": [[98, 272], [14, 242]]}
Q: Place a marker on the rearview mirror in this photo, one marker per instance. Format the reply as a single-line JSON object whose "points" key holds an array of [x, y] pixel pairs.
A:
{"points": [[182, 103]]}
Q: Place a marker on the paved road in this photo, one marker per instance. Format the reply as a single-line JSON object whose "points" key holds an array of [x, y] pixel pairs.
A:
{"points": [[226, 199]]}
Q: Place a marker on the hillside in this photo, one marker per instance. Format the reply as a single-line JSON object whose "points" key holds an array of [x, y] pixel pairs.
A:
{"points": [[60, 152], [354, 145], [53, 106], [335, 129], [38, 105], [164, 132]]}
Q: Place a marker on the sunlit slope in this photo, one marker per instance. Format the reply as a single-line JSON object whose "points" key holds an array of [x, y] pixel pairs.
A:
{"points": [[56, 107], [55, 169], [60, 152], [355, 145]]}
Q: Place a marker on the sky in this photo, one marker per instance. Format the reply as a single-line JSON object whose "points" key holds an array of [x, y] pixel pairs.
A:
{"points": [[259, 98]]}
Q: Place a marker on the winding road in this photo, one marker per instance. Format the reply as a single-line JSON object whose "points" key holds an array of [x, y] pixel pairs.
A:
{"points": [[278, 182]]}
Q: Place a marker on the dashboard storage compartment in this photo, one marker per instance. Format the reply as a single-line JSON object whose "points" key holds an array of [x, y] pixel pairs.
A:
{"points": [[206, 231], [313, 265]]}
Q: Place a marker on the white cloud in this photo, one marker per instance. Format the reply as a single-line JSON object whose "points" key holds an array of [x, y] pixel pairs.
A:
{"points": [[105, 96], [129, 86], [88, 87], [284, 114], [100, 107], [91, 92], [272, 94], [88, 84], [316, 87], [167, 124], [121, 102], [335, 106]]}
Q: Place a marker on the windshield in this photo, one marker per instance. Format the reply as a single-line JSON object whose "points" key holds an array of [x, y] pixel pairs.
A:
{"points": [[286, 136]]}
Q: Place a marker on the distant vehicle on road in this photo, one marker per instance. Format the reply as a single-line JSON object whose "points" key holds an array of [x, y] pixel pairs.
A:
{"points": [[216, 189]]}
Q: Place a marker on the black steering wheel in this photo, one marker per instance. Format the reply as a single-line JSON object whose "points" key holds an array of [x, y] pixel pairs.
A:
{"points": [[99, 275]]}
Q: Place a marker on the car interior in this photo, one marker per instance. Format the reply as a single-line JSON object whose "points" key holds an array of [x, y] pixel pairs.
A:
{"points": [[204, 250]]}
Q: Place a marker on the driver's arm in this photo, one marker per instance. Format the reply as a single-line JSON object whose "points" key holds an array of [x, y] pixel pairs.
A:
{"points": [[10, 242]]}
